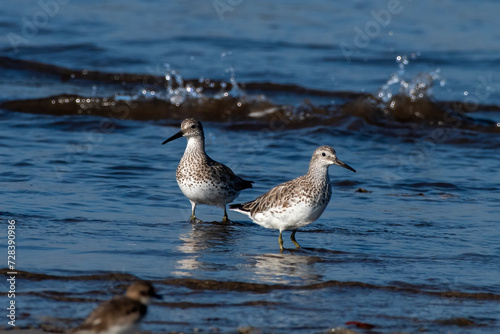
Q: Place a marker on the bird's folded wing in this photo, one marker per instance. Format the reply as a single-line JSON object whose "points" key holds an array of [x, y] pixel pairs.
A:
{"points": [[280, 197], [115, 312], [226, 175]]}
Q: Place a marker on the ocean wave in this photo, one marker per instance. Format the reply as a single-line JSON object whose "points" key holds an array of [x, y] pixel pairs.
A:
{"points": [[400, 103]]}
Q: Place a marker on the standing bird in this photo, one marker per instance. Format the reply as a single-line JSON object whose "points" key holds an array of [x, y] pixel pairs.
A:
{"points": [[298, 202], [122, 314], [201, 179]]}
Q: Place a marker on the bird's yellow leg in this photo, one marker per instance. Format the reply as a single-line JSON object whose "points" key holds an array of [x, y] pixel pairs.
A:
{"points": [[193, 207], [292, 237], [280, 240], [225, 219]]}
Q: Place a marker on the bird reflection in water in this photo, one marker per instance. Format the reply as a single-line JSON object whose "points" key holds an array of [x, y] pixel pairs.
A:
{"points": [[285, 268], [202, 238]]}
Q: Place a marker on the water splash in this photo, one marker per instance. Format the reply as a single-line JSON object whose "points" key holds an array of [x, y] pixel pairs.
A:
{"points": [[235, 91], [178, 95], [176, 91], [406, 99], [417, 88]]}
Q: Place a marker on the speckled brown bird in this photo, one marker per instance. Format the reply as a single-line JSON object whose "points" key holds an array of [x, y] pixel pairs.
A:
{"points": [[121, 314], [201, 179], [298, 202]]}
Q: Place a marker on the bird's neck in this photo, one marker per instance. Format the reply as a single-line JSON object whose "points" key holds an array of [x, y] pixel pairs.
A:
{"points": [[318, 173], [195, 146]]}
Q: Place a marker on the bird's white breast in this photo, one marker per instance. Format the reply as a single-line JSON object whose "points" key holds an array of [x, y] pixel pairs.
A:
{"points": [[206, 192], [290, 218]]}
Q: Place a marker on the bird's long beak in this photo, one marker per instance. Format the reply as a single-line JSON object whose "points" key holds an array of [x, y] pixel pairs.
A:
{"points": [[157, 296], [174, 137], [346, 166]]}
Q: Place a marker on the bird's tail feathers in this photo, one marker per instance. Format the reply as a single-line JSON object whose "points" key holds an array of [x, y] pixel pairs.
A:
{"points": [[245, 184], [237, 207]]}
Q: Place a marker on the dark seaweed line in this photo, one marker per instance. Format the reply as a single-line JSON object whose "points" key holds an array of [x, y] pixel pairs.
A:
{"points": [[208, 109], [213, 285]]}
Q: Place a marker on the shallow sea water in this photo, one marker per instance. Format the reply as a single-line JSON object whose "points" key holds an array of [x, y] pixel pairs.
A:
{"points": [[96, 204]]}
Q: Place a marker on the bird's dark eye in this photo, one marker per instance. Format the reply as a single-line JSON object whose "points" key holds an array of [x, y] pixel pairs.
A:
{"points": [[323, 154], [193, 126]]}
